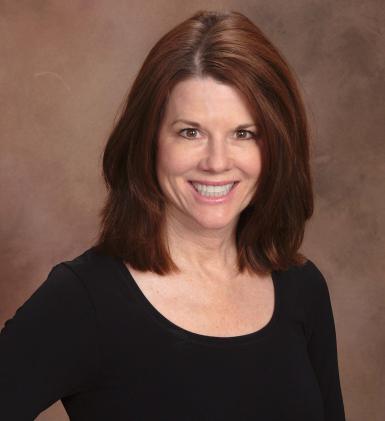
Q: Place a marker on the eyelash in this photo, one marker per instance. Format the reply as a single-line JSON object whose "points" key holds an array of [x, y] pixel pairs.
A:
{"points": [[253, 134]]}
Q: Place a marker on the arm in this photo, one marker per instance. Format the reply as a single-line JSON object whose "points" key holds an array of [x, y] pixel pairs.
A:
{"points": [[322, 347], [49, 348]]}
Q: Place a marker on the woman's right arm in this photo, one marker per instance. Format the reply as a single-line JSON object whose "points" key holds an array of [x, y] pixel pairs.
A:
{"points": [[49, 348]]}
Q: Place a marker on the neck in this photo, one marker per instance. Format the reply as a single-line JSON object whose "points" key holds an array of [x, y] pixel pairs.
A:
{"points": [[203, 253]]}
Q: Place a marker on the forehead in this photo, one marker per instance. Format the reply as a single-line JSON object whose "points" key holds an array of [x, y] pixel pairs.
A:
{"points": [[205, 98]]}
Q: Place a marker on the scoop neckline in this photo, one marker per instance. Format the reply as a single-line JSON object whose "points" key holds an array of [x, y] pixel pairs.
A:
{"points": [[198, 337]]}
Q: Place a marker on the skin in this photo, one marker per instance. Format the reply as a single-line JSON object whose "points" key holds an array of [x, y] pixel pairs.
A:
{"points": [[201, 236]]}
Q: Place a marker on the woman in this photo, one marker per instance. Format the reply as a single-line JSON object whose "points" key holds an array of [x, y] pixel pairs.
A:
{"points": [[194, 302]]}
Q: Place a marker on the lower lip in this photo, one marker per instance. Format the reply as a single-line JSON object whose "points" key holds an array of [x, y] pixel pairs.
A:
{"points": [[214, 200]]}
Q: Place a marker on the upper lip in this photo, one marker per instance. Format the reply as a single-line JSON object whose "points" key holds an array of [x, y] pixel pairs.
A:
{"points": [[214, 183]]}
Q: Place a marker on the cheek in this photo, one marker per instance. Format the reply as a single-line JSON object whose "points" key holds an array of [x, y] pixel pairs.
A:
{"points": [[252, 164], [173, 160]]}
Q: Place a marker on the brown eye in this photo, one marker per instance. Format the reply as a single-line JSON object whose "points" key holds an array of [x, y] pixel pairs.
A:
{"points": [[246, 132], [189, 130]]}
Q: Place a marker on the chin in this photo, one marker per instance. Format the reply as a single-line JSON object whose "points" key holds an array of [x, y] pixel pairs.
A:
{"points": [[215, 222]]}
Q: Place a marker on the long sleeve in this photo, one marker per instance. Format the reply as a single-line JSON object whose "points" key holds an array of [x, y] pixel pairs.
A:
{"points": [[48, 349], [322, 346]]}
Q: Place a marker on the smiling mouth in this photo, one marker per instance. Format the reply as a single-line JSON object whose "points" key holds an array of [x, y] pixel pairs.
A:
{"points": [[213, 191], [213, 183]]}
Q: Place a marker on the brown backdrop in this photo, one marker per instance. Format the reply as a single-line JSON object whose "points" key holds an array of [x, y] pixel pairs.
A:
{"points": [[65, 69]]}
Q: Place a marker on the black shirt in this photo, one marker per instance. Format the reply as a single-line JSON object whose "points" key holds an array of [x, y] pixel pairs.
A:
{"points": [[90, 337]]}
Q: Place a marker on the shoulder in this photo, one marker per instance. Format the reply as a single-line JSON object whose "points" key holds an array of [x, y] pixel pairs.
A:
{"points": [[89, 261], [314, 282], [69, 282], [101, 276], [92, 267], [314, 291], [306, 285], [307, 277], [61, 299]]}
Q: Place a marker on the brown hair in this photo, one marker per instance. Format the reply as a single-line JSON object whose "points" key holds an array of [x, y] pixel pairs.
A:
{"points": [[233, 50]]}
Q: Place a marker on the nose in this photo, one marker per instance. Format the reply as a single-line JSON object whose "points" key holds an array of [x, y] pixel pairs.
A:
{"points": [[217, 155]]}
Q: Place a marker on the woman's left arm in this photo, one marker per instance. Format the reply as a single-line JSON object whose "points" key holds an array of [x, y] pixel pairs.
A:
{"points": [[322, 347]]}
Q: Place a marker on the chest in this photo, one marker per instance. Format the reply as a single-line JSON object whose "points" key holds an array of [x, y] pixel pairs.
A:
{"points": [[244, 307]]}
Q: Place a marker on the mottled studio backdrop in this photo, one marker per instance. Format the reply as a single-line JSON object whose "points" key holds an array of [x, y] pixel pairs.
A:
{"points": [[65, 68]]}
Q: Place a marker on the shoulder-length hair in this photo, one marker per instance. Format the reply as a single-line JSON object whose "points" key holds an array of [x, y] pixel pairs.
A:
{"points": [[233, 50]]}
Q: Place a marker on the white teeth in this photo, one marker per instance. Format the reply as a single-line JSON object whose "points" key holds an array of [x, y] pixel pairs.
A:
{"points": [[212, 191]]}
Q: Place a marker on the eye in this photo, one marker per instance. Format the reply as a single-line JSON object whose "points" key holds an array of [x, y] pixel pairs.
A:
{"points": [[188, 130], [191, 130], [253, 135]]}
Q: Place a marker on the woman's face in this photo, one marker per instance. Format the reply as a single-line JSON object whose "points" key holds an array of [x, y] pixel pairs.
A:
{"points": [[200, 140]]}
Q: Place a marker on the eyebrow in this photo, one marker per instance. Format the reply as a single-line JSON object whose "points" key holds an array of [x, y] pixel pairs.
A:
{"points": [[194, 123]]}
